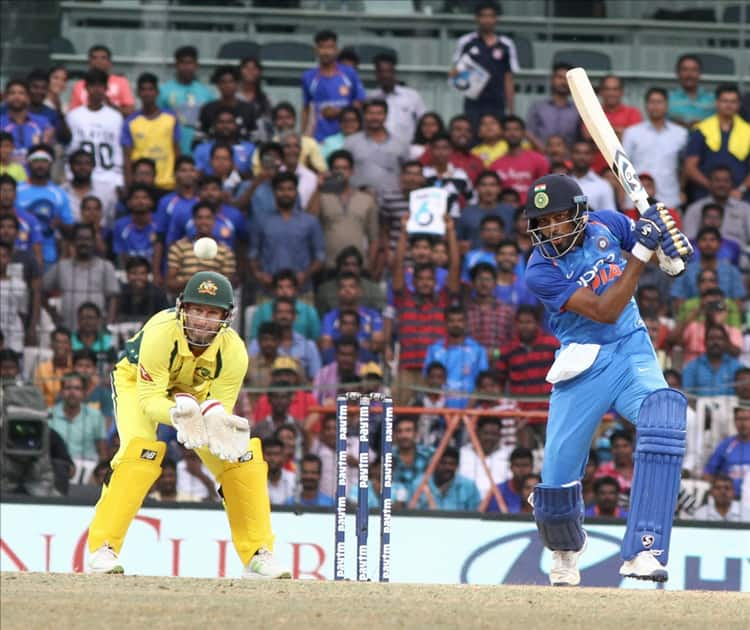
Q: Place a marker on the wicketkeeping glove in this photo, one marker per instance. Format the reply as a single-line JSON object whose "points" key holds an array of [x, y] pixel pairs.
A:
{"points": [[187, 418], [649, 229], [228, 435]]}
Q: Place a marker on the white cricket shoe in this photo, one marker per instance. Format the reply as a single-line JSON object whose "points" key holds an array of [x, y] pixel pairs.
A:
{"points": [[104, 560], [564, 570], [644, 567], [263, 566]]}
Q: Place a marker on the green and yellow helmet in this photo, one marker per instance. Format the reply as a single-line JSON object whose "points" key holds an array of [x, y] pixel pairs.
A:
{"points": [[210, 289], [207, 288]]}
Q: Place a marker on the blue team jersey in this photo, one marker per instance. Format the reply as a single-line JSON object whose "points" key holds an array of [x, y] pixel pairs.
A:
{"points": [[48, 204], [29, 231], [26, 134], [594, 264], [168, 205], [132, 240], [230, 225], [340, 90], [242, 155]]}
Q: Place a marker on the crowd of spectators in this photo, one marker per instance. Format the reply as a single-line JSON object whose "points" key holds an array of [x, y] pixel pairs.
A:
{"points": [[103, 193]]}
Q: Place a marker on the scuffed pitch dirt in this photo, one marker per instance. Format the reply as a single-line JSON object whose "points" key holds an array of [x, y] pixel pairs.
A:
{"points": [[69, 601]]}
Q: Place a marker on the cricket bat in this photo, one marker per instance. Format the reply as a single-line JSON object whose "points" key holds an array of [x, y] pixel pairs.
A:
{"points": [[608, 143]]}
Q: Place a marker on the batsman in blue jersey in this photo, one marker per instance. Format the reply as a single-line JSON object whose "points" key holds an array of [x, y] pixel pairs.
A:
{"points": [[579, 271]]}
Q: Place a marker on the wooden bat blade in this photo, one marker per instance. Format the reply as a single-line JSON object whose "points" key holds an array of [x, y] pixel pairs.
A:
{"points": [[605, 137]]}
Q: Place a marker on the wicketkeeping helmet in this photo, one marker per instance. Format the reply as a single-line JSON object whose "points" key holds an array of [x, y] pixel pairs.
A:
{"points": [[549, 195], [207, 288]]}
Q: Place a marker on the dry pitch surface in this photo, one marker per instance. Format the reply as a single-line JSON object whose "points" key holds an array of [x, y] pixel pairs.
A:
{"points": [[44, 600]]}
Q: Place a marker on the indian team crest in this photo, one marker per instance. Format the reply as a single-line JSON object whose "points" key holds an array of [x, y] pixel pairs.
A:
{"points": [[541, 199], [602, 243]]}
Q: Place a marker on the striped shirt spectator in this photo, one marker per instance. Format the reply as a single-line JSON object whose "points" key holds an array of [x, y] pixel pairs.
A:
{"points": [[421, 322], [182, 261], [526, 361]]}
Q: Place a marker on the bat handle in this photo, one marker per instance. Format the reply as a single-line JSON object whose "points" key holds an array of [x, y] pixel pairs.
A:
{"points": [[673, 266]]}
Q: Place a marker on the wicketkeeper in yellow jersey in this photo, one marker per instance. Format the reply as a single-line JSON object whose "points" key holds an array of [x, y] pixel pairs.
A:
{"points": [[185, 367]]}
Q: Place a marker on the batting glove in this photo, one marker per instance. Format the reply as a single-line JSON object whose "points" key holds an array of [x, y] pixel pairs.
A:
{"points": [[187, 418], [228, 435], [649, 229], [676, 245]]}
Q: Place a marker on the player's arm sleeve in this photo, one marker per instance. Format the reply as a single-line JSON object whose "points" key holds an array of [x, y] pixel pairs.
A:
{"points": [[226, 386], [66, 214], [306, 94], [483, 363], [549, 285], [152, 375], [713, 465], [126, 138], [118, 243], [621, 226]]}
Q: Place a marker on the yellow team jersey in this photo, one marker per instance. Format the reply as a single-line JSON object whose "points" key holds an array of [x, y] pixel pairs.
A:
{"points": [[159, 363], [488, 153], [154, 138]]}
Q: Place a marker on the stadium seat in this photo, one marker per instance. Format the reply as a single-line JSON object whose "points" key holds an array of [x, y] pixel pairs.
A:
{"points": [[525, 51], [716, 64], [238, 49], [367, 52], [732, 13], [61, 46], [589, 59], [287, 51]]}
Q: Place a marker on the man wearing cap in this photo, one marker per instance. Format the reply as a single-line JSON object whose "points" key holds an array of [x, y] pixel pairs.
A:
{"points": [[606, 360], [45, 200], [185, 367]]}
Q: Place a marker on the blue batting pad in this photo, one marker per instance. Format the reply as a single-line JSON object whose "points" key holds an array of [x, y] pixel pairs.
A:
{"points": [[660, 446], [558, 511]]}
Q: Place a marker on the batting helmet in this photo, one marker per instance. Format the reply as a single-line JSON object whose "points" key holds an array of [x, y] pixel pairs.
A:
{"points": [[207, 288], [553, 194]]}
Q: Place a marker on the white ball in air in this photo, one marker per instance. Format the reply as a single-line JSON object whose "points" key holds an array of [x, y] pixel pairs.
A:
{"points": [[205, 248]]}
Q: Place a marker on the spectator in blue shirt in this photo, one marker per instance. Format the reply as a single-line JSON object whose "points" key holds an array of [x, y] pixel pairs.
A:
{"points": [[462, 356], [287, 239], [511, 286], [293, 344], [732, 455], [182, 199], [330, 87], [230, 226], [38, 82], [26, 128], [226, 132], [521, 465], [185, 94], [370, 333], [712, 373], [306, 321], [708, 243], [491, 234], [449, 490], [45, 200], [349, 324], [410, 459], [488, 186], [135, 234], [29, 237], [256, 195], [310, 494]]}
